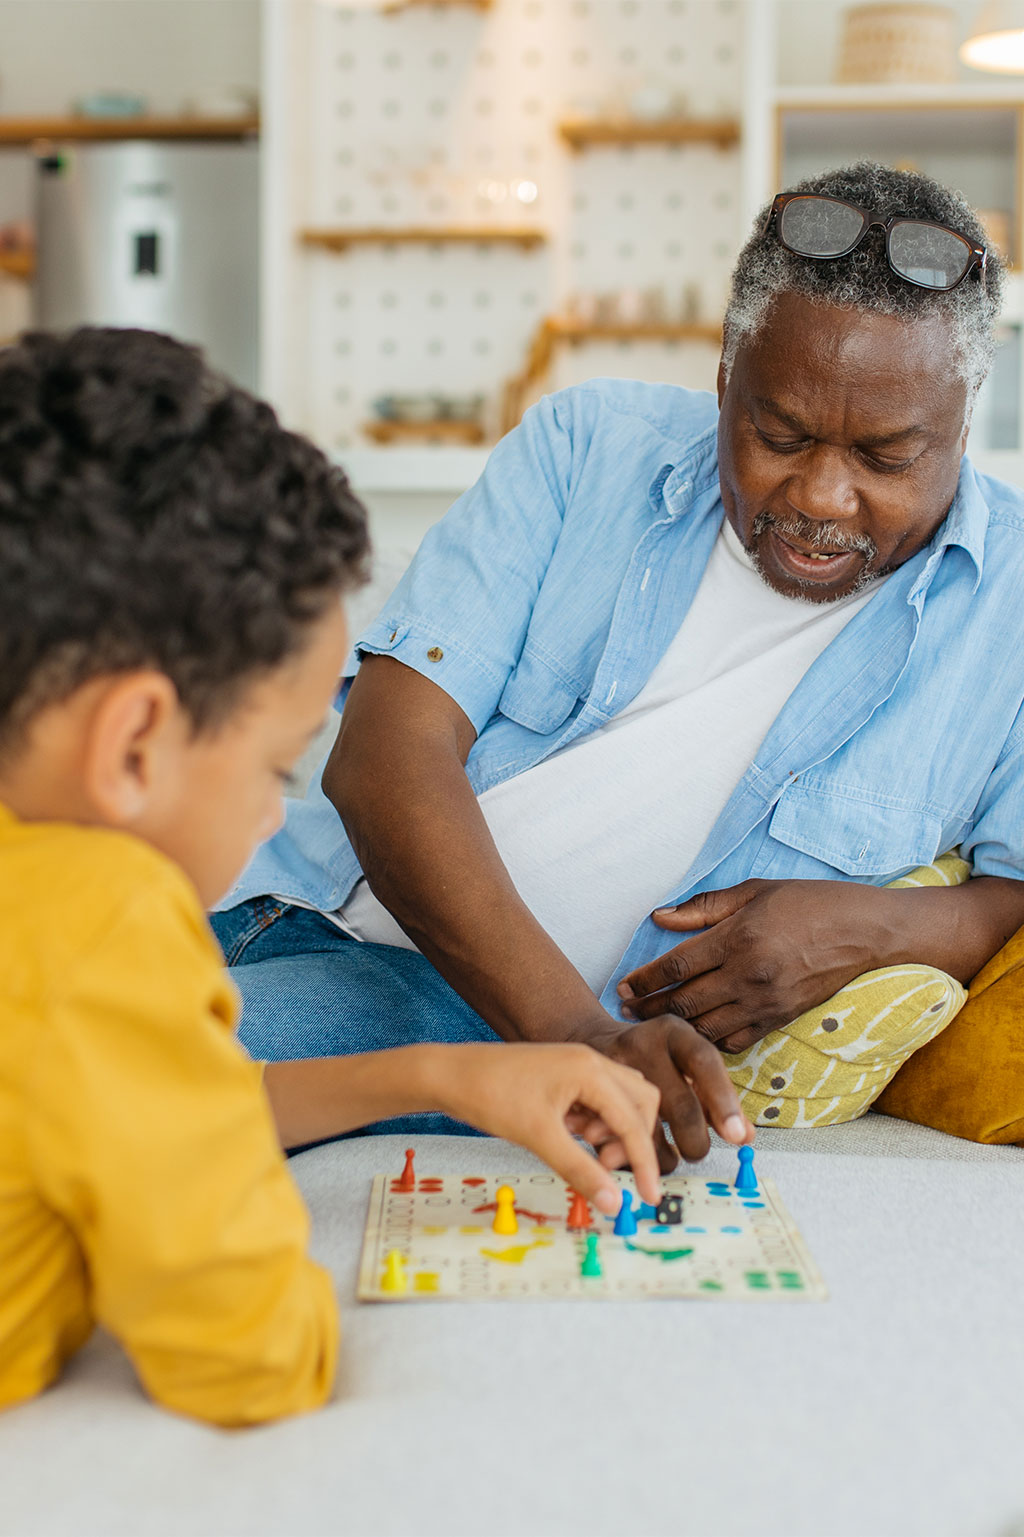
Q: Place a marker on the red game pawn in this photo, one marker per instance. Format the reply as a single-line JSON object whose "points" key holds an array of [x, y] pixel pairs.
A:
{"points": [[579, 1214], [407, 1178]]}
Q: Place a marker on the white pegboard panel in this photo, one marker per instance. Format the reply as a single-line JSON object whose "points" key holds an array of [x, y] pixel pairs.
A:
{"points": [[413, 114]]}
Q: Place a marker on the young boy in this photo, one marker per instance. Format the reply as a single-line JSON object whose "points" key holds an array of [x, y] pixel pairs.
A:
{"points": [[171, 634]]}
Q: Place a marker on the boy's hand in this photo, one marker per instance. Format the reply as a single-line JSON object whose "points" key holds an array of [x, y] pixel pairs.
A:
{"points": [[541, 1096], [692, 1083]]}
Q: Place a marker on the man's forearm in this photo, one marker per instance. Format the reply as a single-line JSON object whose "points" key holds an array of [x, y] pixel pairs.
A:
{"points": [[428, 855], [958, 929]]}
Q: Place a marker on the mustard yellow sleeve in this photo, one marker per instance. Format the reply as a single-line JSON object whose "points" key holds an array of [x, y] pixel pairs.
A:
{"points": [[152, 1136]]}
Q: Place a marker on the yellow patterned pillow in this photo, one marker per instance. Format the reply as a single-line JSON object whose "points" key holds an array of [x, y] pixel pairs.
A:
{"points": [[833, 1062]]}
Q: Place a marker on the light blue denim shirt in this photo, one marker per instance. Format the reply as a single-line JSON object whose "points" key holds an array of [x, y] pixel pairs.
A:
{"points": [[544, 599]]}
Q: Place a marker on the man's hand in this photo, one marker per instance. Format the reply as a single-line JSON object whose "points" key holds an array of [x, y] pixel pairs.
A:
{"points": [[692, 1084], [770, 950]]}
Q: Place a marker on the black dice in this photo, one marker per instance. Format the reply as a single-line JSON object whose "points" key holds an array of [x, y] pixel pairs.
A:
{"points": [[670, 1210]]}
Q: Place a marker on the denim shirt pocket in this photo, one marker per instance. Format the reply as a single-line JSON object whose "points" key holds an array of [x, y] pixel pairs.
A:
{"points": [[536, 696], [860, 838]]}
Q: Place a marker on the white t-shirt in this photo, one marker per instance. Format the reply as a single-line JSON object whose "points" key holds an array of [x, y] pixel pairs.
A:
{"points": [[598, 835]]}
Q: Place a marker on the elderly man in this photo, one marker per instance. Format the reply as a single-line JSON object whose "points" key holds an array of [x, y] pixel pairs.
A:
{"points": [[668, 669]]}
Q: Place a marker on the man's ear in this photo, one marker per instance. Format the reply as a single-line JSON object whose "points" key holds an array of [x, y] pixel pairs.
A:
{"points": [[135, 737], [967, 426], [723, 380]]}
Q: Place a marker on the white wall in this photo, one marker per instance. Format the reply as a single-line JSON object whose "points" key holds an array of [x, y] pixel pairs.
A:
{"points": [[52, 51]]}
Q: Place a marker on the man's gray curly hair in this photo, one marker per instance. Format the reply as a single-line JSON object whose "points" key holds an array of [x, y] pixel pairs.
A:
{"points": [[864, 280]]}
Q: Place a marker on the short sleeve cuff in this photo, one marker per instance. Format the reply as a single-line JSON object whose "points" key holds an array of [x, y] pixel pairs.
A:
{"points": [[989, 859], [464, 676]]}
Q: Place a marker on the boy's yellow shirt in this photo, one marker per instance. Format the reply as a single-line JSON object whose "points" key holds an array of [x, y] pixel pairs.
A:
{"points": [[141, 1182]]}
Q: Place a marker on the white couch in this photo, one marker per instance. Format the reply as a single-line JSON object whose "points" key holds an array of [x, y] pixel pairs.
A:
{"points": [[892, 1408]]}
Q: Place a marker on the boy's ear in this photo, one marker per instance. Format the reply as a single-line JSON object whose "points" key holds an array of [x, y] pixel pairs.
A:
{"points": [[135, 736], [721, 381]]}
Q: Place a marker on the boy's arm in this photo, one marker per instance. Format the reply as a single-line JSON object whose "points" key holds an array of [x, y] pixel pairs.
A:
{"points": [[538, 1096], [152, 1138]]}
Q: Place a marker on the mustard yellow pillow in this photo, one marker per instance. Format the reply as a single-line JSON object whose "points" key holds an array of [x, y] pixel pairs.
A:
{"points": [[970, 1081], [832, 1063]]}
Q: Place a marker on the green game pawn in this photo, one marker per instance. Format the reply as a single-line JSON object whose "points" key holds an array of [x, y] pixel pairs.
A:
{"points": [[591, 1265]]}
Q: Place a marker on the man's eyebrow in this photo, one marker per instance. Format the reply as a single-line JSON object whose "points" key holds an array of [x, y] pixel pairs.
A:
{"points": [[876, 440]]}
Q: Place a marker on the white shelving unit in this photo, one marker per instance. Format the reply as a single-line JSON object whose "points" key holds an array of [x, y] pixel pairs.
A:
{"points": [[970, 132]]}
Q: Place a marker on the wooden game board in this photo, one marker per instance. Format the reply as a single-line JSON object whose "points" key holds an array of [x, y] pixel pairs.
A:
{"points": [[738, 1247]]}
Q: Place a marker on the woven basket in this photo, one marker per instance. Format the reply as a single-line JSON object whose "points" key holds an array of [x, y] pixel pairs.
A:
{"points": [[884, 44]]}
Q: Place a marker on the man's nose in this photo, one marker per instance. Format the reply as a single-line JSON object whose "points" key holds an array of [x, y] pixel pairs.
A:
{"points": [[823, 487]]}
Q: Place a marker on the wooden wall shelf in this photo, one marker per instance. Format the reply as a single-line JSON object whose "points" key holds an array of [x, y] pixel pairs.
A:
{"points": [[30, 130], [584, 133], [574, 332], [18, 264], [556, 330], [439, 431], [343, 239], [392, 7]]}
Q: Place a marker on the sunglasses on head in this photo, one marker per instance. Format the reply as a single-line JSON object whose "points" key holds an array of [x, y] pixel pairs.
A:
{"points": [[921, 252]]}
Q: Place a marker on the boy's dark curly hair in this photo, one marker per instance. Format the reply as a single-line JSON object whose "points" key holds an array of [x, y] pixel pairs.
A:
{"points": [[152, 514]]}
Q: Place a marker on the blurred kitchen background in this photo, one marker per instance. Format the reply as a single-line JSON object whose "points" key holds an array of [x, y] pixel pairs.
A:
{"points": [[404, 221]]}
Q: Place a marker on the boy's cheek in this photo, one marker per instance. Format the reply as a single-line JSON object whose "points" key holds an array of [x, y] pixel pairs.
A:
{"points": [[272, 822]]}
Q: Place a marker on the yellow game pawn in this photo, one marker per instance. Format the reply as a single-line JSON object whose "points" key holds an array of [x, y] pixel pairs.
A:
{"points": [[393, 1279], [505, 1217]]}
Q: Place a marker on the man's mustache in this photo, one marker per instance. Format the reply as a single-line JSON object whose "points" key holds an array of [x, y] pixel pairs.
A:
{"points": [[816, 536]]}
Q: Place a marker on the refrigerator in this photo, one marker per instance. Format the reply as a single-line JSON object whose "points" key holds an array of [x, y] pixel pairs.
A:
{"points": [[153, 234]]}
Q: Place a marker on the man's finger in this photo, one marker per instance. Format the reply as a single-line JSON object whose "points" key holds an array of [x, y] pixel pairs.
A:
{"points": [[718, 1023], [668, 1158], [708, 907], [702, 1064], [733, 1022], [676, 967], [687, 1121], [741, 1039], [680, 1109], [703, 995]]}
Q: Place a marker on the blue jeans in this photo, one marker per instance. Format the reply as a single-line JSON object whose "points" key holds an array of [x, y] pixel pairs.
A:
{"points": [[308, 990]]}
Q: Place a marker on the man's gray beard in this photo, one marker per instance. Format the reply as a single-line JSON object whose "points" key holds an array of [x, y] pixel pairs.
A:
{"points": [[821, 536]]}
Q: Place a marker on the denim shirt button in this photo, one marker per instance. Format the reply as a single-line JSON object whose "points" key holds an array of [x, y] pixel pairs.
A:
{"points": [[435, 654]]}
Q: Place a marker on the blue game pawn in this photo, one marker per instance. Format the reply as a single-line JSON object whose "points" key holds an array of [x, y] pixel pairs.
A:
{"points": [[746, 1179], [625, 1222]]}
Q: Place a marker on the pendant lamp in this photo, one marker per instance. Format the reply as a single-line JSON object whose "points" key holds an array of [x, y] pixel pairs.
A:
{"points": [[996, 41]]}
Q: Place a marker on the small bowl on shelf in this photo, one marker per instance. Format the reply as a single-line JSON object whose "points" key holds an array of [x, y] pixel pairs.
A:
{"points": [[108, 104], [405, 408], [459, 408]]}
